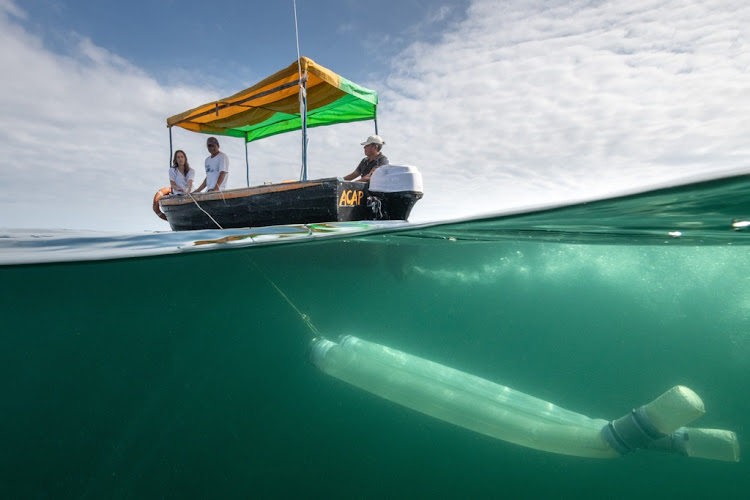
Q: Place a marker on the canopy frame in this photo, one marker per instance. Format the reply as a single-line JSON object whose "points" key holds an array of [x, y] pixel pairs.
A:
{"points": [[266, 109]]}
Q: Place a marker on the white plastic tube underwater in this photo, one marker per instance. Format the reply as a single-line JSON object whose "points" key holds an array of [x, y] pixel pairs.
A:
{"points": [[714, 444], [503, 413]]}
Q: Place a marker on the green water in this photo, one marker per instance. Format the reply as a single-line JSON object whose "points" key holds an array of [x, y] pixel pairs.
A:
{"points": [[185, 376]]}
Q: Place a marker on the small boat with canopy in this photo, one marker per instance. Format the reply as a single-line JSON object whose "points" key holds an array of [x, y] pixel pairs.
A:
{"points": [[301, 96]]}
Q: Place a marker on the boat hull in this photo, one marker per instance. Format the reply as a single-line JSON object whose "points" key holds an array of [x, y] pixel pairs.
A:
{"points": [[304, 202]]}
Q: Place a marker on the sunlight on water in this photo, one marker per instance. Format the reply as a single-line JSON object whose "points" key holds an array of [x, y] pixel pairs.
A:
{"points": [[669, 273]]}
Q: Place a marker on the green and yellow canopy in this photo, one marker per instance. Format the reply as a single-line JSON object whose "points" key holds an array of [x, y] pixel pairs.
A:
{"points": [[272, 106]]}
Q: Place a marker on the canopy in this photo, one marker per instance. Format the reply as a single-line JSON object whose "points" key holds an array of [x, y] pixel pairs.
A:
{"points": [[272, 106]]}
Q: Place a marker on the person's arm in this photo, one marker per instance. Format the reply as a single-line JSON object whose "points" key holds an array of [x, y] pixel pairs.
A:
{"points": [[382, 160], [222, 174], [190, 179], [200, 188], [172, 184], [352, 176], [366, 178]]}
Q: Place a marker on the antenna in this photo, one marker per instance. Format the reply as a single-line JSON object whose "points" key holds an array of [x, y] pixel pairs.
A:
{"points": [[302, 99], [296, 36]]}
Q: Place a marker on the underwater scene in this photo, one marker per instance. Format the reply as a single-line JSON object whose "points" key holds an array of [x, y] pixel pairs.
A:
{"points": [[189, 365]]}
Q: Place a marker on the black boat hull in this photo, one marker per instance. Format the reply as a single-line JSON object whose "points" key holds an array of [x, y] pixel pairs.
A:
{"points": [[393, 206], [323, 200]]}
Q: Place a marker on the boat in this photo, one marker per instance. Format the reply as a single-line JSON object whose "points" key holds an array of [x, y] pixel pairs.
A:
{"points": [[300, 96]]}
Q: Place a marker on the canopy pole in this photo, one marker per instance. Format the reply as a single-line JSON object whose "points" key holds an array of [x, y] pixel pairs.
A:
{"points": [[170, 146], [247, 162], [376, 119]]}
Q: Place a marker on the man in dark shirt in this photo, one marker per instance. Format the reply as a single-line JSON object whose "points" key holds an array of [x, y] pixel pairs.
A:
{"points": [[372, 160]]}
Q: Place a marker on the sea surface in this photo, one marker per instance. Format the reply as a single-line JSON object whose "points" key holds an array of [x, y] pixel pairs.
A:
{"points": [[175, 365]]}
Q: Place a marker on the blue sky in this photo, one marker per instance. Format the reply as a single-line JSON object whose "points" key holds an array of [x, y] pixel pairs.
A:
{"points": [[501, 104], [238, 41]]}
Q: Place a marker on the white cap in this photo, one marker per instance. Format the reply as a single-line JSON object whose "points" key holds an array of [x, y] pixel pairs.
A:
{"points": [[374, 139]]}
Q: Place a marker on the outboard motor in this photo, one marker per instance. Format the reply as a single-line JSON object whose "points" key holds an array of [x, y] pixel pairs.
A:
{"points": [[394, 189]]}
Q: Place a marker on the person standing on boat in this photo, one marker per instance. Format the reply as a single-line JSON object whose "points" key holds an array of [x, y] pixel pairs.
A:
{"points": [[372, 160], [217, 168], [181, 176]]}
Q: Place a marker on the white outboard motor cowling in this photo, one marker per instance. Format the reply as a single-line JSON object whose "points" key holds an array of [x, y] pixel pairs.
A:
{"points": [[394, 189]]}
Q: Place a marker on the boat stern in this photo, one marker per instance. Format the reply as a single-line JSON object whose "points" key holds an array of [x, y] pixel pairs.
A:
{"points": [[394, 190]]}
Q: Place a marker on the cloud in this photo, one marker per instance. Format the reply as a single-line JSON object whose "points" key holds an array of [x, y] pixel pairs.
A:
{"points": [[8, 8], [440, 13], [558, 99], [80, 132], [509, 103], [346, 28]]}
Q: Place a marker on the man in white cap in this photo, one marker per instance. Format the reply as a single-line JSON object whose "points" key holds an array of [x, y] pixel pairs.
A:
{"points": [[372, 160], [217, 168]]}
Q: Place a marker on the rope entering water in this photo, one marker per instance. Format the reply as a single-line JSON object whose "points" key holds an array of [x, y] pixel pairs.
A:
{"points": [[201, 208], [304, 317]]}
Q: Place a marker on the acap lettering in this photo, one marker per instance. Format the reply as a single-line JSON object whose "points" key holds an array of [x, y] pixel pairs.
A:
{"points": [[350, 197]]}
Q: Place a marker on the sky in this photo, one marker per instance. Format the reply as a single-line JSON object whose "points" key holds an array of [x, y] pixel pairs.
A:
{"points": [[501, 104]]}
